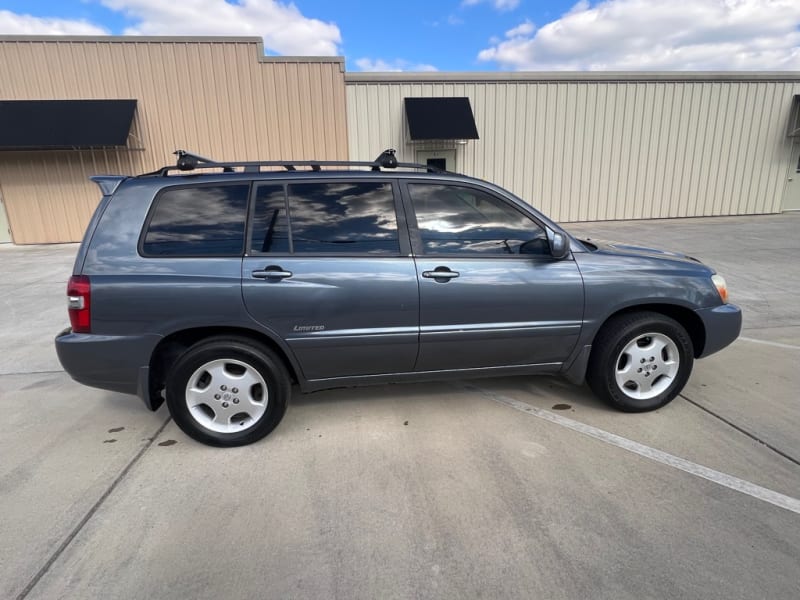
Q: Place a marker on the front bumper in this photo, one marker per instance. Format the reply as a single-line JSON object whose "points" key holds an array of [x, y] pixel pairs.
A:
{"points": [[722, 325], [116, 363]]}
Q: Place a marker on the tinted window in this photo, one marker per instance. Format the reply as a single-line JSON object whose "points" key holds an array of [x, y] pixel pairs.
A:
{"points": [[347, 217], [455, 219], [270, 228], [198, 221]]}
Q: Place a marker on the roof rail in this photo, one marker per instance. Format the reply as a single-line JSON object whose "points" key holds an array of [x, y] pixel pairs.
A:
{"points": [[188, 161]]}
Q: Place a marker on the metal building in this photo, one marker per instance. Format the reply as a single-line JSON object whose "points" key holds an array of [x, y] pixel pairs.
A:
{"points": [[580, 146], [598, 146], [218, 97]]}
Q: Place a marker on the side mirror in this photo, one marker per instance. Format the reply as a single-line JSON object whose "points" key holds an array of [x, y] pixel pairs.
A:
{"points": [[559, 244]]}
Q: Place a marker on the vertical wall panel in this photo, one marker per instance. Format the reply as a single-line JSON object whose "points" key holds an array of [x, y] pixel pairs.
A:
{"points": [[219, 97], [619, 147]]}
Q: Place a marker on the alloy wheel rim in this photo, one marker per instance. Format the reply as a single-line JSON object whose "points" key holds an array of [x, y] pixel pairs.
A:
{"points": [[227, 396], [647, 366]]}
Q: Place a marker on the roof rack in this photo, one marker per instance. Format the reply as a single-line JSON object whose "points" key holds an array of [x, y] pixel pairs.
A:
{"points": [[189, 162]]}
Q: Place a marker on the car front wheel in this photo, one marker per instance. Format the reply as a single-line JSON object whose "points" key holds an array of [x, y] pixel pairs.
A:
{"points": [[227, 391], [640, 361]]}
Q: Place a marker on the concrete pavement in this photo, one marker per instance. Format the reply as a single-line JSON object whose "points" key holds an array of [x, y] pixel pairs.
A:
{"points": [[755, 386], [413, 491]]}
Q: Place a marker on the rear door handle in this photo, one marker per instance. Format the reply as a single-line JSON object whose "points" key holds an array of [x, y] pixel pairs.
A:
{"points": [[441, 274], [271, 272]]}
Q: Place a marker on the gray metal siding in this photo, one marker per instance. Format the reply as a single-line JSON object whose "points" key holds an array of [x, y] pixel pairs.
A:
{"points": [[584, 150]]}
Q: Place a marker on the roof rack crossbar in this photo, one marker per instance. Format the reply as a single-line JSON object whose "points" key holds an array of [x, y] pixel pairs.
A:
{"points": [[189, 162]]}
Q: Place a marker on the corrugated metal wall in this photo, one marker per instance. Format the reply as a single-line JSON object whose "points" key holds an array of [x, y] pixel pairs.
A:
{"points": [[584, 148], [217, 97]]}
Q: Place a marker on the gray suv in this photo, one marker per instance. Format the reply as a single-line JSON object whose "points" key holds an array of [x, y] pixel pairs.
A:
{"points": [[215, 286]]}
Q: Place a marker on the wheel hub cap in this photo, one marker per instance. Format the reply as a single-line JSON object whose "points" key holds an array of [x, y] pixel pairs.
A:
{"points": [[647, 366], [226, 396]]}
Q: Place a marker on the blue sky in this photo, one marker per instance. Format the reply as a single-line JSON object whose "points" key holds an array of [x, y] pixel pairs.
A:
{"points": [[458, 35], [446, 34]]}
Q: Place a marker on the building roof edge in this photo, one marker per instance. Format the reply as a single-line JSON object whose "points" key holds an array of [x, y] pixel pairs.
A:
{"points": [[570, 76]]}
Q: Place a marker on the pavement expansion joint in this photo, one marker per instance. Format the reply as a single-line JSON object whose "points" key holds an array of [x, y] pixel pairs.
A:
{"points": [[11, 373], [87, 517], [741, 430]]}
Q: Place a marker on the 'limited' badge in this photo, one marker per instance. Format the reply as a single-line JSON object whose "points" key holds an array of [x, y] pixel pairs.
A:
{"points": [[306, 328]]}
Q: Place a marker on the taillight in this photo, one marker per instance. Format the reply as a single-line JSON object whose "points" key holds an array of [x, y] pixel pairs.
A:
{"points": [[79, 301]]}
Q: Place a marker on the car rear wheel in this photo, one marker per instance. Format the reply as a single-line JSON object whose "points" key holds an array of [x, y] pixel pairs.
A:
{"points": [[640, 361], [227, 391]]}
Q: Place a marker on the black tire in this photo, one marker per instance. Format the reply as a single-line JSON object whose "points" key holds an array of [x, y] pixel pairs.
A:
{"points": [[228, 355], [630, 332]]}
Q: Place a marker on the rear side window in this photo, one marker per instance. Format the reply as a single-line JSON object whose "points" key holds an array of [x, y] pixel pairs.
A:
{"points": [[270, 227], [326, 218], [198, 221]]}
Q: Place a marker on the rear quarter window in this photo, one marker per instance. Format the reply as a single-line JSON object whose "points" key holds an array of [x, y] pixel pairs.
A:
{"points": [[198, 220]]}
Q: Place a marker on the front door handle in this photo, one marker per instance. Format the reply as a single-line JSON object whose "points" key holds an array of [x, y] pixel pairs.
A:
{"points": [[441, 274], [271, 272]]}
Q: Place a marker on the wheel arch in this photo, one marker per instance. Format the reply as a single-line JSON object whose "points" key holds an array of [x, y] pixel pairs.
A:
{"points": [[686, 317], [173, 345]]}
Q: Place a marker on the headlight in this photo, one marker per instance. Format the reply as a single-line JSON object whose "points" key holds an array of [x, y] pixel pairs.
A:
{"points": [[722, 287]]}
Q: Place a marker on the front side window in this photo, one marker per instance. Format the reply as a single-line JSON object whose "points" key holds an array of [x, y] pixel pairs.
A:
{"points": [[198, 221], [461, 220]]}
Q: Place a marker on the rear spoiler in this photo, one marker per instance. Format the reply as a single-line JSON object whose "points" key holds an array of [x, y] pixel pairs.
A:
{"points": [[108, 184]]}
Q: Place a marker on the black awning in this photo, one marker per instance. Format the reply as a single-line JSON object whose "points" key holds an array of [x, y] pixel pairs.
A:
{"points": [[440, 119], [794, 118], [54, 124]]}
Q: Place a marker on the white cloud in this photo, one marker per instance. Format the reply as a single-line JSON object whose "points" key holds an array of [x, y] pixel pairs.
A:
{"points": [[658, 35], [283, 27], [498, 4], [378, 64], [523, 29], [17, 24]]}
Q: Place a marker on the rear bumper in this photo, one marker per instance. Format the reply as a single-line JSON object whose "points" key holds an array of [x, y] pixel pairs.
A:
{"points": [[722, 326], [116, 363]]}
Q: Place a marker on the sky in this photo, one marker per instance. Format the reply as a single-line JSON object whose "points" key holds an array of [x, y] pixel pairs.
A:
{"points": [[457, 35]]}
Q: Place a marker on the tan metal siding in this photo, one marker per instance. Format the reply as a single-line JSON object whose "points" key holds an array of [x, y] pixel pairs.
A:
{"points": [[600, 149], [218, 98]]}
